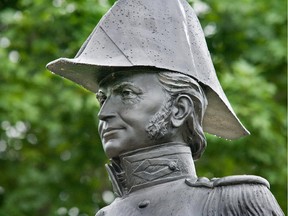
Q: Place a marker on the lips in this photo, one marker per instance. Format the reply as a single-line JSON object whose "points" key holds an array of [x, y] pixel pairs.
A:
{"points": [[105, 133]]}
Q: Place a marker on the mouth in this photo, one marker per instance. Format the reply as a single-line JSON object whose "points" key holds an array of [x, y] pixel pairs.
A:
{"points": [[106, 133]]}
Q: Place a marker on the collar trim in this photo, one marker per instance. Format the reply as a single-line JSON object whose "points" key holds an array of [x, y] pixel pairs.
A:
{"points": [[150, 166]]}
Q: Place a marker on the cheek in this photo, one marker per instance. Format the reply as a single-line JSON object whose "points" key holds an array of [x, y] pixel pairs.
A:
{"points": [[138, 114]]}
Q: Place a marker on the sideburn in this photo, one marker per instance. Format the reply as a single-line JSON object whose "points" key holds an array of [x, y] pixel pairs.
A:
{"points": [[159, 125]]}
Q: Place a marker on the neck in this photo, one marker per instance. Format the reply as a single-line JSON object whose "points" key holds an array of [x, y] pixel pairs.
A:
{"points": [[150, 166]]}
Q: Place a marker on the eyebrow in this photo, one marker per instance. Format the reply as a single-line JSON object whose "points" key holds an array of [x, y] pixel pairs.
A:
{"points": [[128, 84], [117, 87]]}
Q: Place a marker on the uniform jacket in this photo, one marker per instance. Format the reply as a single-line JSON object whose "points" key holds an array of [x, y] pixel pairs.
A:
{"points": [[161, 181]]}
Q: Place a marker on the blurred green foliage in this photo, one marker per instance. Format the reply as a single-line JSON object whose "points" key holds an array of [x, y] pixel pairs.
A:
{"points": [[51, 159]]}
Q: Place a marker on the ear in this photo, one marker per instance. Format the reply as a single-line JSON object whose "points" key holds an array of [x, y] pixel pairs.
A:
{"points": [[181, 110]]}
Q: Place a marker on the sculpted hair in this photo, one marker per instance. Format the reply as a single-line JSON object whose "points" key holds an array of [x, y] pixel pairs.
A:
{"points": [[175, 84]]}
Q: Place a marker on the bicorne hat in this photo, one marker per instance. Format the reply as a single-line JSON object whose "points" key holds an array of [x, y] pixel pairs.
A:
{"points": [[163, 34]]}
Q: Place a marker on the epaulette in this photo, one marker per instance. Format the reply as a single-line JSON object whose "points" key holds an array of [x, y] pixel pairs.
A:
{"points": [[227, 181]]}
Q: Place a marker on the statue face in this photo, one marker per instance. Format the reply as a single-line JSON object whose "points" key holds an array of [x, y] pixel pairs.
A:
{"points": [[127, 105]]}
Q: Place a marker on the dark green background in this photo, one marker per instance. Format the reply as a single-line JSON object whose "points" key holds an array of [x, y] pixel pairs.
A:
{"points": [[51, 159]]}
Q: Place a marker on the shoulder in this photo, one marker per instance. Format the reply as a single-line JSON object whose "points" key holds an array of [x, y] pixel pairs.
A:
{"points": [[228, 181], [238, 195]]}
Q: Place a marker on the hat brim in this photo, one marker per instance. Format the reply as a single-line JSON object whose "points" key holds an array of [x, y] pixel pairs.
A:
{"points": [[218, 119]]}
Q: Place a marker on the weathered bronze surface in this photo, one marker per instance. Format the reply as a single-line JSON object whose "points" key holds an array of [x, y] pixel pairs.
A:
{"points": [[148, 63]]}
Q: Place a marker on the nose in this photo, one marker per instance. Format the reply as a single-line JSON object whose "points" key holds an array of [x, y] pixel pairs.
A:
{"points": [[106, 111]]}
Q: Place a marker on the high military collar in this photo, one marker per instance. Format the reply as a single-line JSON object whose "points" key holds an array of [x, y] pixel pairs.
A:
{"points": [[150, 166]]}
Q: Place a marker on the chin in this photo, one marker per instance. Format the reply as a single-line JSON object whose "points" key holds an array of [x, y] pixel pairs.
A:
{"points": [[112, 148]]}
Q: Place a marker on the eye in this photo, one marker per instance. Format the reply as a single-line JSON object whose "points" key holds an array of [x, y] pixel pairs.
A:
{"points": [[102, 101], [101, 97], [127, 93]]}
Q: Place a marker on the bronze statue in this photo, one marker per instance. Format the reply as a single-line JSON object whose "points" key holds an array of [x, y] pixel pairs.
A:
{"points": [[148, 63]]}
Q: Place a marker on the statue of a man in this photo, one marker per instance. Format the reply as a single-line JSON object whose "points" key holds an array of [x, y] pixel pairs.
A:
{"points": [[148, 63]]}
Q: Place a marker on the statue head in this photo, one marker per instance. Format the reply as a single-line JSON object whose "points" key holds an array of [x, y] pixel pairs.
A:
{"points": [[159, 36], [142, 108]]}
